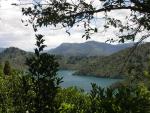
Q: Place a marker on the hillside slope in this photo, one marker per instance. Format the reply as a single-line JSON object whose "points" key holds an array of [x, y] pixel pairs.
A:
{"points": [[114, 65], [102, 66], [90, 48], [15, 56]]}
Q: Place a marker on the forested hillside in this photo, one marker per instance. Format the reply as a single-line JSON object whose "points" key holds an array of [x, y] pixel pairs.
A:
{"points": [[103, 66], [15, 56], [90, 48], [109, 66]]}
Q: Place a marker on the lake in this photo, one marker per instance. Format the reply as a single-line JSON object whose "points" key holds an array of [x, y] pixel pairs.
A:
{"points": [[84, 82]]}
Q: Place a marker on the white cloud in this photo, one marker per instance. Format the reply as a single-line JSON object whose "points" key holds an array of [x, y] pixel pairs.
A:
{"points": [[14, 33]]}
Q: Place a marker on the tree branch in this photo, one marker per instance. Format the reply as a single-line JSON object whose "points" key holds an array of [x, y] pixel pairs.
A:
{"points": [[111, 8]]}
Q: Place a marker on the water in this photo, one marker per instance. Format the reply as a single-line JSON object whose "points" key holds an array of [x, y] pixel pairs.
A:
{"points": [[84, 82]]}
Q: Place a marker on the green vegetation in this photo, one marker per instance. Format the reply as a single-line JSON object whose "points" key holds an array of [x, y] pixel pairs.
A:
{"points": [[116, 65], [15, 56], [38, 91], [17, 96], [43, 68], [7, 68]]}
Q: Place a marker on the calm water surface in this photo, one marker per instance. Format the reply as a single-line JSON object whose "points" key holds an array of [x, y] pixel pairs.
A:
{"points": [[84, 82]]}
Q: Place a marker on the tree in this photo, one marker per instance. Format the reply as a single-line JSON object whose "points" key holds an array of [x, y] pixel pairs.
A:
{"points": [[120, 100], [43, 70], [69, 13], [7, 68], [1, 70]]}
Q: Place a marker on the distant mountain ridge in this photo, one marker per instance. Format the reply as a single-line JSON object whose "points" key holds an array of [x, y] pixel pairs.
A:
{"points": [[90, 48]]}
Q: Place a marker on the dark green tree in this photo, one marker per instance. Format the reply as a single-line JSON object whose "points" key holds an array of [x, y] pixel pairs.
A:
{"points": [[43, 70], [120, 100], [7, 68], [1, 69]]}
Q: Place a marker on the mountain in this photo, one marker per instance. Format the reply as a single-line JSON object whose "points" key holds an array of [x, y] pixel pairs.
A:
{"points": [[101, 66], [15, 56], [90, 48], [115, 65]]}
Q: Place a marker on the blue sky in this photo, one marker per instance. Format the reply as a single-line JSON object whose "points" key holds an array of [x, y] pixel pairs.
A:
{"points": [[15, 33]]}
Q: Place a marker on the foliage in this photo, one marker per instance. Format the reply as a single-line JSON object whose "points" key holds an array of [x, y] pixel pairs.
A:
{"points": [[35, 90], [73, 100], [43, 68], [119, 100], [69, 13], [1, 70], [45, 94], [11, 92], [17, 95]]}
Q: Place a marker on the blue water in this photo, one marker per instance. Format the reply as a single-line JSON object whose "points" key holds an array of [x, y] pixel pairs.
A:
{"points": [[84, 82]]}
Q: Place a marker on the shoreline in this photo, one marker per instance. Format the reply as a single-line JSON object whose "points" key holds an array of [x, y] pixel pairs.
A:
{"points": [[76, 73], [97, 76]]}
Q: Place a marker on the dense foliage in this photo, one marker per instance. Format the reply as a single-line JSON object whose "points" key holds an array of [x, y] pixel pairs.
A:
{"points": [[43, 68], [15, 99]]}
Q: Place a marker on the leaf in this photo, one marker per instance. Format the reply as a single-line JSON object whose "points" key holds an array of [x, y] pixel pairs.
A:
{"points": [[42, 47], [95, 30], [38, 43], [83, 36], [36, 52], [39, 37]]}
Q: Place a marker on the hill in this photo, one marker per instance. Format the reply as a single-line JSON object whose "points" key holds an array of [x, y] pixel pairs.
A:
{"points": [[15, 56], [115, 65], [103, 66], [90, 48]]}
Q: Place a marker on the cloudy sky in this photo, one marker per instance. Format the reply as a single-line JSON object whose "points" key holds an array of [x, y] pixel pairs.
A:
{"points": [[14, 33]]}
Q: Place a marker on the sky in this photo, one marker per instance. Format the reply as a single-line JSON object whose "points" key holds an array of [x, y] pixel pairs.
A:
{"points": [[14, 33]]}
